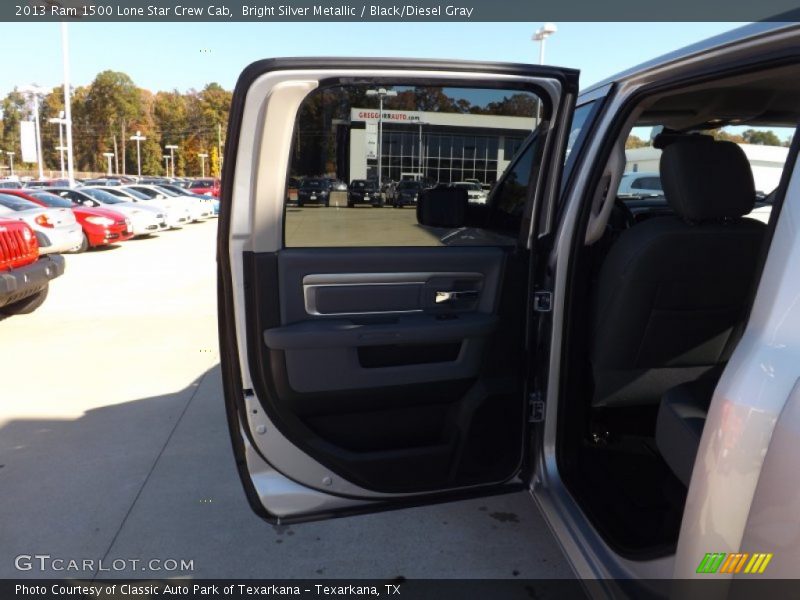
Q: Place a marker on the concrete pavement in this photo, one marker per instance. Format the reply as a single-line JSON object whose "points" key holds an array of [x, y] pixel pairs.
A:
{"points": [[113, 446]]}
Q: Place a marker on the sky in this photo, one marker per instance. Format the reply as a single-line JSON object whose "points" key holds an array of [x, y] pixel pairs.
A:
{"points": [[167, 56]]}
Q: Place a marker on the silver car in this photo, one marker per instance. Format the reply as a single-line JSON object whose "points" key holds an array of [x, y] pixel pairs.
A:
{"points": [[177, 216], [56, 228], [198, 208]]}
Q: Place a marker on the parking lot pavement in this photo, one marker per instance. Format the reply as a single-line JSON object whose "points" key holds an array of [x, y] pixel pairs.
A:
{"points": [[113, 446], [362, 225]]}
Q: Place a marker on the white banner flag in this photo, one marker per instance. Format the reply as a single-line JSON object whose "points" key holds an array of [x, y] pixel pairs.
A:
{"points": [[372, 139], [27, 140]]}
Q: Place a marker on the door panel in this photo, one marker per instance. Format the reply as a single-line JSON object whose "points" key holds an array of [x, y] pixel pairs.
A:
{"points": [[392, 400], [361, 378]]}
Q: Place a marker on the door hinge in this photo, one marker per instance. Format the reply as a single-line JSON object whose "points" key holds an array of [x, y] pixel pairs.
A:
{"points": [[536, 404], [543, 301]]}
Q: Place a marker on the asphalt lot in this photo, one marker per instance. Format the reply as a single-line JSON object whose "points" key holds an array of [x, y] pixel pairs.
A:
{"points": [[362, 225], [113, 445]]}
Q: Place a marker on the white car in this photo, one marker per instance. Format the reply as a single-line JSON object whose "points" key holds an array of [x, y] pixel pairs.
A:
{"points": [[640, 184], [640, 378], [198, 209], [202, 204], [475, 193], [177, 215], [56, 228], [145, 220]]}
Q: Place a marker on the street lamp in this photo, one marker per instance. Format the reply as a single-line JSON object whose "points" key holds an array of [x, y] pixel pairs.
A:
{"points": [[138, 138], [172, 149], [202, 158], [166, 158], [109, 156], [420, 123], [67, 101], [11, 162], [381, 93], [61, 122], [35, 91], [541, 35]]}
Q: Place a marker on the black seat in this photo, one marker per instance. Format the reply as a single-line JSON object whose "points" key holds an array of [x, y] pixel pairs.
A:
{"points": [[681, 418], [673, 289]]}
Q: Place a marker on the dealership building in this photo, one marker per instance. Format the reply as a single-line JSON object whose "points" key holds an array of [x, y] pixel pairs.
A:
{"points": [[434, 146]]}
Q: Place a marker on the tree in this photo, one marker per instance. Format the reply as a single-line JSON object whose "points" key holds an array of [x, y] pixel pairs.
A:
{"points": [[111, 109], [213, 162], [724, 136], [51, 107], [635, 141], [762, 138], [15, 110], [110, 106], [516, 105]]}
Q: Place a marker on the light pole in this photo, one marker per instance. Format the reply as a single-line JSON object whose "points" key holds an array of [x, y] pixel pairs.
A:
{"points": [[138, 138], [172, 149], [61, 122], [34, 91], [11, 162], [67, 102], [541, 35], [381, 93], [420, 123], [166, 163], [109, 156], [202, 158]]}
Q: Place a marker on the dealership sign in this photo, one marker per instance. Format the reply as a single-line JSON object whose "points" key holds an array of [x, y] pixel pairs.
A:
{"points": [[371, 115]]}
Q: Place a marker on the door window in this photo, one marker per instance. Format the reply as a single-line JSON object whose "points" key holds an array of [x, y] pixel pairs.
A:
{"points": [[432, 136]]}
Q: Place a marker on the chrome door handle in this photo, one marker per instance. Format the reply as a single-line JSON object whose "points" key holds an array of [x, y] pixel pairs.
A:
{"points": [[455, 296]]}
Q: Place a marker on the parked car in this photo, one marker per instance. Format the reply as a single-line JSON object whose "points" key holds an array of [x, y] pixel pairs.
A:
{"points": [[364, 191], [57, 229], [635, 369], [24, 274], [475, 193], [43, 183], [292, 188], [101, 226], [177, 214], [198, 208], [314, 190], [154, 180], [177, 189], [144, 220], [640, 184], [407, 193], [205, 186]]}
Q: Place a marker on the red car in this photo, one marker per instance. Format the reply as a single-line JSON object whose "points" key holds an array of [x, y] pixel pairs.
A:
{"points": [[101, 226], [205, 186]]}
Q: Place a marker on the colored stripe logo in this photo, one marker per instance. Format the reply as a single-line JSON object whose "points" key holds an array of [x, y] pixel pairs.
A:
{"points": [[740, 562]]}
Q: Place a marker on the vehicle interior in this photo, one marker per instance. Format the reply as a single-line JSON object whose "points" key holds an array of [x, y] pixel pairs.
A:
{"points": [[659, 296]]}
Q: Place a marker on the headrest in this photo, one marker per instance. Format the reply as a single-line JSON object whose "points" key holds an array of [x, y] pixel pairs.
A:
{"points": [[669, 137], [707, 181]]}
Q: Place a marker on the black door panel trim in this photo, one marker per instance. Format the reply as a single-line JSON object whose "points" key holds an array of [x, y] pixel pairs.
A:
{"points": [[406, 329]]}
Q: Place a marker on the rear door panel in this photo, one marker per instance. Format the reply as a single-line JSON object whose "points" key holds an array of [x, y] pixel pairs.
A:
{"points": [[364, 378]]}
